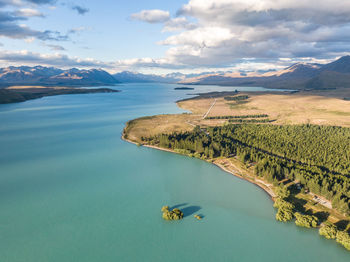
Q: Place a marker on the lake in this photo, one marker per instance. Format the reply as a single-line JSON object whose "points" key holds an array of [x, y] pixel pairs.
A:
{"points": [[72, 190]]}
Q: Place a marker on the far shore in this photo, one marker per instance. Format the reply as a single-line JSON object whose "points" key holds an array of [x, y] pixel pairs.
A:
{"points": [[35, 86], [17, 94]]}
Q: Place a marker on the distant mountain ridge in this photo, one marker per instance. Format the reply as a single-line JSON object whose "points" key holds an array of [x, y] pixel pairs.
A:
{"points": [[298, 76], [134, 77], [51, 76]]}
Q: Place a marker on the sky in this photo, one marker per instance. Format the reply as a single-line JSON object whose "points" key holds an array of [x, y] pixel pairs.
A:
{"points": [[188, 36]]}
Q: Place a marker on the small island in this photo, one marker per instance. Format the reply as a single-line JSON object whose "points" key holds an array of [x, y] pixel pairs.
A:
{"points": [[198, 217], [23, 93], [175, 214], [184, 88]]}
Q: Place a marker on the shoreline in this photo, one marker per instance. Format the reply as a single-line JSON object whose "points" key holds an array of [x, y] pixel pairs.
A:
{"points": [[266, 187], [263, 186]]}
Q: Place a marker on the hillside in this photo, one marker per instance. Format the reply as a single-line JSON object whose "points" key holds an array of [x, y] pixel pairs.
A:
{"points": [[298, 76], [134, 77], [50, 76]]}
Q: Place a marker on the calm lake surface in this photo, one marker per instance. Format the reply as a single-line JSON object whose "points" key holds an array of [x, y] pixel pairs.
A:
{"points": [[72, 190]]}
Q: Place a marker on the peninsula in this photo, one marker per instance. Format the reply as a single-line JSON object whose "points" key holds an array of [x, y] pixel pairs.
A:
{"points": [[294, 145], [23, 93]]}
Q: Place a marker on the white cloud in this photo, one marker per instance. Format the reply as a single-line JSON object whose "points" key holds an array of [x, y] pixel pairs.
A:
{"points": [[29, 12], [152, 16], [258, 33], [229, 31], [25, 57], [200, 37], [177, 24]]}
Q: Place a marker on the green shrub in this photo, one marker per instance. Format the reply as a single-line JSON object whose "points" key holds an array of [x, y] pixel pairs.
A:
{"points": [[283, 203], [165, 208], [175, 214], [344, 238], [305, 220], [282, 192], [328, 230], [284, 214]]}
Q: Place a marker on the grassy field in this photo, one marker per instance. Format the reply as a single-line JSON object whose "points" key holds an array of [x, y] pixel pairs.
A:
{"points": [[297, 108], [153, 125]]}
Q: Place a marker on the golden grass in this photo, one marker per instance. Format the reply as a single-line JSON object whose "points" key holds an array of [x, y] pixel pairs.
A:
{"points": [[299, 108], [160, 124], [284, 108]]}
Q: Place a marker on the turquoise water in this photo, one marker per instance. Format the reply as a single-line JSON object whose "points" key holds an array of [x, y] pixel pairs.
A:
{"points": [[72, 190]]}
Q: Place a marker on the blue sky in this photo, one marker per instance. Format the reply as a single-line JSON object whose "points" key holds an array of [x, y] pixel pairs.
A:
{"points": [[165, 36]]}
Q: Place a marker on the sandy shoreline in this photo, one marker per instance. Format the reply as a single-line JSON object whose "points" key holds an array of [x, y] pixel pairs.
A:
{"points": [[257, 183]]}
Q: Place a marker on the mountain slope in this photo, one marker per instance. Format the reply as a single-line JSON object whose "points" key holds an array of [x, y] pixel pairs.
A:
{"points": [[133, 77], [298, 76], [49, 76], [342, 65]]}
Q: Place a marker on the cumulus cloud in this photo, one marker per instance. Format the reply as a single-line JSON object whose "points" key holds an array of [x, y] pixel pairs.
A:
{"points": [[12, 23], [59, 60], [23, 2], [9, 27], [145, 62], [257, 12], [177, 24], [81, 10], [152, 16], [227, 31]]}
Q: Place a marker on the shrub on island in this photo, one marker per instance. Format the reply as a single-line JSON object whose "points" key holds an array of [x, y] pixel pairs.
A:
{"points": [[198, 217], [328, 230], [165, 209], [344, 238], [305, 220], [175, 214]]}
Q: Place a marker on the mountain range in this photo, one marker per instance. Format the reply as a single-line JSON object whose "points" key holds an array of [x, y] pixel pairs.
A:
{"points": [[133, 77], [51, 76], [298, 76]]}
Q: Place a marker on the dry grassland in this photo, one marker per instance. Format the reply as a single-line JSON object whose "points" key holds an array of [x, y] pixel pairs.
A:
{"points": [[298, 108]]}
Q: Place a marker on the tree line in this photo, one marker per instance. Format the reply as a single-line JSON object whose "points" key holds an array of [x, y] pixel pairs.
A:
{"points": [[241, 116], [316, 156], [236, 98]]}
